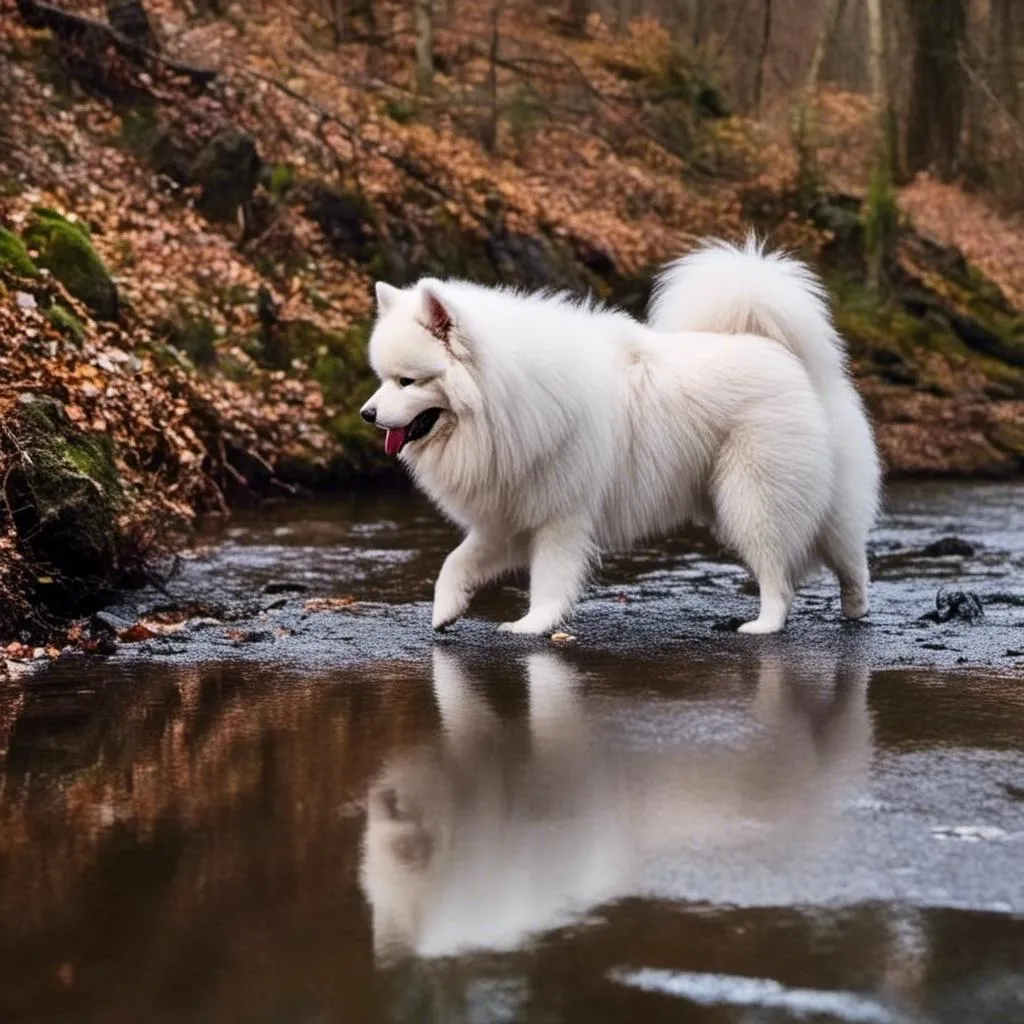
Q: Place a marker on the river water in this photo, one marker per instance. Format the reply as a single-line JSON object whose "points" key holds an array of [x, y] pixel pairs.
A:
{"points": [[298, 810]]}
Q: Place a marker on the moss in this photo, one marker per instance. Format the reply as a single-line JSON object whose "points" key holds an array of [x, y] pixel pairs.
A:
{"points": [[281, 180], [65, 249], [14, 257], [66, 322]]}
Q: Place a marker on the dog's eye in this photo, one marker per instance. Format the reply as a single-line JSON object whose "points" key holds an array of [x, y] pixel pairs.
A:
{"points": [[404, 382]]}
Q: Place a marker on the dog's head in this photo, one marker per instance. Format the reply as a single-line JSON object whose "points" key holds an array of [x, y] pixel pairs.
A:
{"points": [[418, 350]]}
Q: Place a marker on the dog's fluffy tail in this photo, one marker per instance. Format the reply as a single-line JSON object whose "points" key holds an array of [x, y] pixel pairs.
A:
{"points": [[730, 289]]}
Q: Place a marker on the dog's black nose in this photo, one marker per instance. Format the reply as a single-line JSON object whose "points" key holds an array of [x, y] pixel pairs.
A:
{"points": [[369, 414]]}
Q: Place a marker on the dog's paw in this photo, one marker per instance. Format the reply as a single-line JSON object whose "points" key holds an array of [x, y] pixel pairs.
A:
{"points": [[761, 627], [528, 625], [442, 619], [448, 607]]}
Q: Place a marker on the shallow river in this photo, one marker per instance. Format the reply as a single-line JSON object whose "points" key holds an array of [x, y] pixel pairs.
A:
{"points": [[295, 810]]}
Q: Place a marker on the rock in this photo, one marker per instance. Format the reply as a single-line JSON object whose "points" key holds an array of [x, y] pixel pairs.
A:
{"points": [[108, 622], [66, 250], [344, 217], [66, 494], [946, 547], [956, 605], [228, 170]]}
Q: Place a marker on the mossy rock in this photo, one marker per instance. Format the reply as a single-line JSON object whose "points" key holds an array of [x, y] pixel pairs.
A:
{"points": [[66, 250], [67, 492], [228, 169], [14, 257]]}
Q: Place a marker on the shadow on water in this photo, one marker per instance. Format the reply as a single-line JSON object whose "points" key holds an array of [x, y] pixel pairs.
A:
{"points": [[548, 836]]}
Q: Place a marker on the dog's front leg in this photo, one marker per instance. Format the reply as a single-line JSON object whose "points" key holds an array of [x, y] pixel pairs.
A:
{"points": [[560, 556], [476, 561]]}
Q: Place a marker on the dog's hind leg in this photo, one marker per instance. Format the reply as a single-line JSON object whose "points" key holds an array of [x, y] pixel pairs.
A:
{"points": [[769, 511], [560, 557], [844, 552], [476, 561]]}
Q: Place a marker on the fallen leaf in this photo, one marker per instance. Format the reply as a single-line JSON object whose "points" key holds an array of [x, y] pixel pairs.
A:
{"points": [[133, 634], [324, 604]]}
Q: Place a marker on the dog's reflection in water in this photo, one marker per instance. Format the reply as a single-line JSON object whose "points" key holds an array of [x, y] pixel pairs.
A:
{"points": [[495, 833]]}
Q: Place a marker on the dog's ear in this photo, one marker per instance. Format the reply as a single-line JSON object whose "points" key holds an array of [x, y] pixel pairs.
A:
{"points": [[438, 317], [387, 296]]}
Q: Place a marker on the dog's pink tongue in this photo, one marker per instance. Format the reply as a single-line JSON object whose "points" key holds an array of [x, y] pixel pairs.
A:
{"points": [[394, 439]]}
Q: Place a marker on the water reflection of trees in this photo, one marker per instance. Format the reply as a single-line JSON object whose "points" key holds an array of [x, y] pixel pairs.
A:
{"points": [[180, 828]]}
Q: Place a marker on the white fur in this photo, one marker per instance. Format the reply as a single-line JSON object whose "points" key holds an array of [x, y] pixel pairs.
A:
{"points": [[570, 428]]}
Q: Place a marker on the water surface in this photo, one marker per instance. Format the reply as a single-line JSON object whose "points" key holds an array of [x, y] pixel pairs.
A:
{"points": [[311, 816]]}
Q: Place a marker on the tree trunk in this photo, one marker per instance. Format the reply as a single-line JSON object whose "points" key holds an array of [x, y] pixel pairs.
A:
{"points": [[491, 134], [1008, 36], [424, 17], [701, 22], [880, 213], [576, 17], [935, 114], [762, 55], [805, 133], [338, 21], [829, 22]]}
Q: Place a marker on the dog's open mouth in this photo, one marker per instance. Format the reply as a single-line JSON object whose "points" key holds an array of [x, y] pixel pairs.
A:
{"points": [[398, 437]]}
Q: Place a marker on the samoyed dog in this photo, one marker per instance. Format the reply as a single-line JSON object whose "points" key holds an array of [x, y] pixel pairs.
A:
{"points": [[550, 428]]}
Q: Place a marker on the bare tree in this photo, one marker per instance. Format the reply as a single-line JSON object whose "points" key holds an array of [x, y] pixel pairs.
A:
{"points": [[762, 55], [804, 127], [491, 132], [830, 17], [935, 110], [880, 214], [1006, 29], [576, 17], [338, 21], [424, 24]]}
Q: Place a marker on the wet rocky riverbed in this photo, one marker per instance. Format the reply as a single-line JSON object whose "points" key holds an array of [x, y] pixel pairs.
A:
{"points": [[288, 800]]}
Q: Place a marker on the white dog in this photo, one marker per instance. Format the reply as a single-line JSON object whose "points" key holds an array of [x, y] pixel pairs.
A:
{"points": [[551, 428]]}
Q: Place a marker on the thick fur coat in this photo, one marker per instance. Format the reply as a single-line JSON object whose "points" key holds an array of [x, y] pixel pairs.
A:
{"points": [[550, 428]]}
